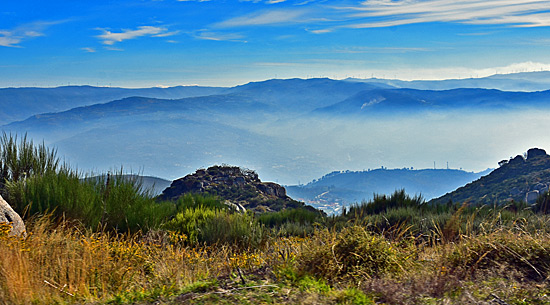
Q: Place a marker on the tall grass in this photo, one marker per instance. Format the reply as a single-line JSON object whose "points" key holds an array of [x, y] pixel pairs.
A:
{"points": [[35, 182], [22, 158]]}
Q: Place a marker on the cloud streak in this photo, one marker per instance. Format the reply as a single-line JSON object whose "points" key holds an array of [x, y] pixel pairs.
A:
{"points": [[216, 36], [271, 17], [14, 37], [522, 13], [110, 38]]}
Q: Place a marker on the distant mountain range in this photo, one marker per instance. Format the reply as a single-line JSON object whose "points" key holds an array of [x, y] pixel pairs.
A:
{"points": [[338, 189], [20, 103], [524, 81], [287, 130], [407, 101]]}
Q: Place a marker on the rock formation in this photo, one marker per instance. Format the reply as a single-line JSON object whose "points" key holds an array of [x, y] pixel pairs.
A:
{"points": [[7, 214], [237, 187]]}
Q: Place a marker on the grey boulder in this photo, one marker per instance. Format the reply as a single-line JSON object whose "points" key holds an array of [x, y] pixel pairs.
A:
{"points": [[7, 214]]}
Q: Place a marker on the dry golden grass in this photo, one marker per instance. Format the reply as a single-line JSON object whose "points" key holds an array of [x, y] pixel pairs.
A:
{"points": [[64, 264], [67, 264]]}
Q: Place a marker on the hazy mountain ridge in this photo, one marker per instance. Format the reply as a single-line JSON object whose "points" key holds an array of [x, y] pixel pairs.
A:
{"points": [[291, 129], [406, 100], [338, 189], [21, 103], [523, 81]]}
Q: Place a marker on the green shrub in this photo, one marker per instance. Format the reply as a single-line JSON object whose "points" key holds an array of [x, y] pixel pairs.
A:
{"points": [[300, 216], [212, 226], [22, 159], [241, 230], [190, 221], [61, 193], [194, 201], [115, 203], [382, 203]]}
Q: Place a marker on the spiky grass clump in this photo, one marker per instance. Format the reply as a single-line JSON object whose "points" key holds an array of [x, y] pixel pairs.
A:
{"points": [[520, 253], [351, 255]]}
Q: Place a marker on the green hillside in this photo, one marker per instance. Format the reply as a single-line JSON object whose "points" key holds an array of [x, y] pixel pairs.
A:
{"points": [[519, 179]]}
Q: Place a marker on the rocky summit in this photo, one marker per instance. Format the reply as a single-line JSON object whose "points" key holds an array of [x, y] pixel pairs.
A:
{"points": [[238, 187]]}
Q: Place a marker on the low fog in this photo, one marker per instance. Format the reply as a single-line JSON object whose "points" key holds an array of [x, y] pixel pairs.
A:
{"points": [[298, 150]]}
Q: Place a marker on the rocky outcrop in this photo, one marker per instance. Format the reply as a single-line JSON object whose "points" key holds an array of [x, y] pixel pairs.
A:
{"points": [[238, 188], [8, 215], [535, 152]]}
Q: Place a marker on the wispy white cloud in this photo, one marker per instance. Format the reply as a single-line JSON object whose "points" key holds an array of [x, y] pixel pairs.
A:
{"points": [[207, 35], [270, 17], [320, 31], [385, 50], [110, 38], [14, 37], [516, 13], [89, 50], [459, 72]]}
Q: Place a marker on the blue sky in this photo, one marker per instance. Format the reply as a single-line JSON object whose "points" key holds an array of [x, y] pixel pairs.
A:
{"points": [[143, 43]]}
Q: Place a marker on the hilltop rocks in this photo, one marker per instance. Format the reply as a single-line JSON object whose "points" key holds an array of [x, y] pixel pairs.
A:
{"points": [[534, 152], [236, 186], [273, 189], [7, 214]]}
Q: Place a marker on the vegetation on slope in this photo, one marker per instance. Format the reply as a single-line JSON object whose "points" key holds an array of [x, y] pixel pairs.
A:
{"points": [[512, 181]]}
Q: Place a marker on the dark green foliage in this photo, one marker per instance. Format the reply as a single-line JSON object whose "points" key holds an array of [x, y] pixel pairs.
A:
{"points": [[199, 201], [384, 203], [300, 216], [212, 226], [293, 222], [205, 219], [115, 202], [22, 159], [241, 230], [34, 182]]}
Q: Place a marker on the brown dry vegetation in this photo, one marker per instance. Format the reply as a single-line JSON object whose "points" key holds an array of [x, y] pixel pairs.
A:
{"points": [[65, 263]]}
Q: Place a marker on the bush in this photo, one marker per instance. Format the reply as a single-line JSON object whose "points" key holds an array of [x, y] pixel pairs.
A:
{"points": [[212, 226], [22, 159], [525, 253], [199, 201], [352, 254], [241, 230], [116, 202]]}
